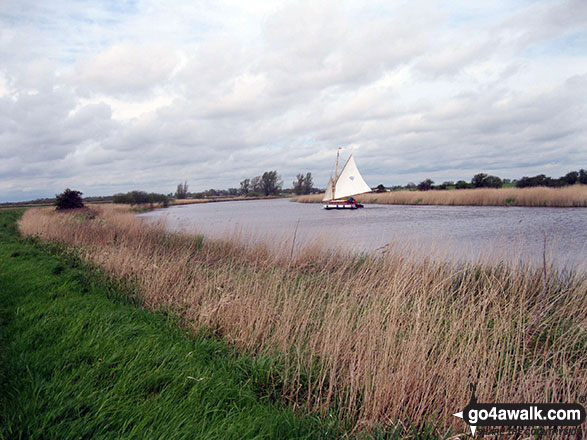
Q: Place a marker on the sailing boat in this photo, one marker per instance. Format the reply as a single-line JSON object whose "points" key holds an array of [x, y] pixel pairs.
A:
{"points": [[348, 183]]}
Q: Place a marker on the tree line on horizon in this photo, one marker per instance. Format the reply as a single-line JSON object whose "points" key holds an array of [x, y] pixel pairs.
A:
{"points": [[483, 180], [270, 183], [140, 198]]}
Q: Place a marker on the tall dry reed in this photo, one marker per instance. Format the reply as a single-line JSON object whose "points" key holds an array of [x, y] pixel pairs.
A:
{"points": [[380, 339], [569, 196]]}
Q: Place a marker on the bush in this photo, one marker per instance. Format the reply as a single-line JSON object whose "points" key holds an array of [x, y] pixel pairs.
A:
{"points": [[141, 197], [482, 180], [461, 184], [539, 180], [570, 178], [69, 199], [425, 185]]}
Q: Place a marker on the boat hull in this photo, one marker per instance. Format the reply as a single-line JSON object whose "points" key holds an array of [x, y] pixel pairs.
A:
{"points": [[342, 205]]}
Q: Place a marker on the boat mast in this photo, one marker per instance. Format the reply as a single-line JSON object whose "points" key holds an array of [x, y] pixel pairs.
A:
{"points": [[335, 174]]}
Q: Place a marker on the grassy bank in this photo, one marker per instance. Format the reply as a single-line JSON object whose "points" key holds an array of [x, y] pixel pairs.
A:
{"points": [[77, 360], [569, 196], [378, 340]]}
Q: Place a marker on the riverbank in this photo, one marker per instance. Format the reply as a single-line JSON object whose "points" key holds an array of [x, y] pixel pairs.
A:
{"points": [[379, 340], [79, 359], [219, 199], [569, 196]]}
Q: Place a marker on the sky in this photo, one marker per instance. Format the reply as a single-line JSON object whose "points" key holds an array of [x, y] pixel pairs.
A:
{"points": [[112, 96]]}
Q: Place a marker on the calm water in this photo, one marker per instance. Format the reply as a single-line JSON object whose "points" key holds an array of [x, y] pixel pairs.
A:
{"points": [[456, 232]]}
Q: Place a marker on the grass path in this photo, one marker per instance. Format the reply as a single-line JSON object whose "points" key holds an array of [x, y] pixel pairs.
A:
{"points": [[77, 362]]}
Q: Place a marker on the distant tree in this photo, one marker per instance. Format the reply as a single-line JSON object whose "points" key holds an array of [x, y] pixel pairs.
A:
{"points": [[483, 180], [298, 184], [425, 185], [461, 184], [182, 190], [245, 187], [271, 183], [233, 191], [120, 198], [524, 182], [159, 198], [303, 184], [583, 176], [69, 199], [448, 183], [411, 186], [256, 185], [308, 184], [140, 198], [493, 182], [478, 179], [542, 180], [571, 178], [380, 188], [539, 180]]}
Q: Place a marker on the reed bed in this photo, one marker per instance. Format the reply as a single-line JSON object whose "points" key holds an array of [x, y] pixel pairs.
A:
{"points": [[379, 339], [569, 196]]}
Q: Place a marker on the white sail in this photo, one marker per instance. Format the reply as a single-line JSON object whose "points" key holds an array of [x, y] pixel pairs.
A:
{"points": [[328, 193], [349, 182]]}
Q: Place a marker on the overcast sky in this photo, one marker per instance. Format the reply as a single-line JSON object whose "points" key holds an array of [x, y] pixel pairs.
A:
{"points": [[111, 96]]}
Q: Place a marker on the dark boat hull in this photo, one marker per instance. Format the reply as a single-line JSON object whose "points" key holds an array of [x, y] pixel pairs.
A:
{"points": [[342, 205]]}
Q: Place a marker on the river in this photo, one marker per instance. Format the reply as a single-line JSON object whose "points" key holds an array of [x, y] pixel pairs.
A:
{"points": [[518, 234]]}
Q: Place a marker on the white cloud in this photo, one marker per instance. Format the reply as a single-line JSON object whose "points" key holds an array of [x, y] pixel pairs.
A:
{"points": [[116, 96], [126, 70]]}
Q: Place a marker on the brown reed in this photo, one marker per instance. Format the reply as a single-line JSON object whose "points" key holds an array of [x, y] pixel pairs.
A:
{"points": [[569, 196], [380, 339]]}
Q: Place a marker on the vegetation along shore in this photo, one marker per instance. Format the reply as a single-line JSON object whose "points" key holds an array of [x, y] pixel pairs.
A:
{"points": [[567, 196], [79, 359], [383, 341]]}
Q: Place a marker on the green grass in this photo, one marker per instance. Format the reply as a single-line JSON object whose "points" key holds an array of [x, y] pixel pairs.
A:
{"points": [[78, 361]]}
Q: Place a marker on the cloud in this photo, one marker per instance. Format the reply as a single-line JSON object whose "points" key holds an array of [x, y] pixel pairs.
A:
{"points": [[545, 21], [113, 97], [124, 70]]}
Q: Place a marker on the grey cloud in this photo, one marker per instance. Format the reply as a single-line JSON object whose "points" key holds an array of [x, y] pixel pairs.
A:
{"points": [[509, 36], [539, 21], [317, 76]]}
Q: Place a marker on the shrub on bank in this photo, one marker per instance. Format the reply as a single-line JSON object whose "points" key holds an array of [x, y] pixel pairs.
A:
{"points": [[141, 197], [69, 199]]}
